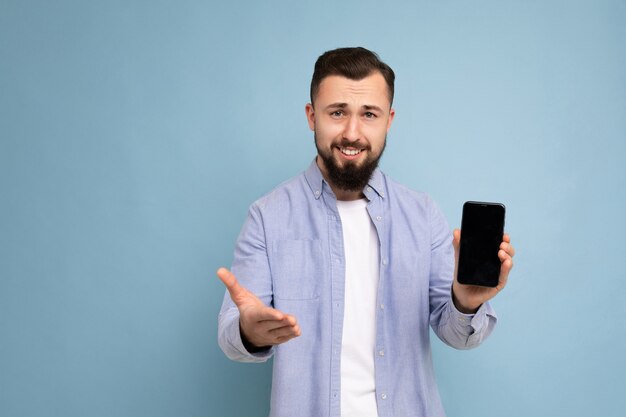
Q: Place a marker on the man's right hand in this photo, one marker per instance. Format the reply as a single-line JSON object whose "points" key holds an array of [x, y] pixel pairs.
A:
{"points": [[261, 326]]}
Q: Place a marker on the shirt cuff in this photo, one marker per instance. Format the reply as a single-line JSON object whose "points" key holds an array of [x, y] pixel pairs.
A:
{"points": [[473, 324], [237, 343]]}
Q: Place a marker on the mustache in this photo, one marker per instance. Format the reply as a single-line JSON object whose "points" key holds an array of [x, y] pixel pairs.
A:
{"points": [[345, 143]]}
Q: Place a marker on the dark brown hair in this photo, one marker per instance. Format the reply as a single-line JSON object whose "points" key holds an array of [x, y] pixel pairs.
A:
{"points": [[353, 63]]}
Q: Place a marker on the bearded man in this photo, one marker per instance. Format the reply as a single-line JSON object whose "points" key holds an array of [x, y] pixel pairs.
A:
{"points": [[339, 272]]}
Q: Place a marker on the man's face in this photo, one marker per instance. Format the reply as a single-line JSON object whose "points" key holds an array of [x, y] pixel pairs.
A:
{"points": [[350, 120]]}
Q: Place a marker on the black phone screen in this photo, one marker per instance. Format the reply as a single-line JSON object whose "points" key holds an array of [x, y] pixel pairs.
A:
{"points": [[482, 228]]}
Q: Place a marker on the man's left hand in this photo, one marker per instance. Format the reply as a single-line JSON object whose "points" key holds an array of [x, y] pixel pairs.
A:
{"points": [[468, 298]]}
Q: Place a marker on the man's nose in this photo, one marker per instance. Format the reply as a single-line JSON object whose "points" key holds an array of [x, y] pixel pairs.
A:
{"points": [[352, 129]]}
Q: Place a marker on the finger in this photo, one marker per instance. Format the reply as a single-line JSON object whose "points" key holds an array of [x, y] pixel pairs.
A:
{"points": [[285, 339], [278, 321], [283, 331], [227, 277], [504, 278], [236, 291], [290, 320], [507, 264], [272, 325], [506, 238], [506, 260], [289, 334], [504, 255], [501, 284], [508, 248], [269, 314], [456, 238], [263, 334], [505, 269]]}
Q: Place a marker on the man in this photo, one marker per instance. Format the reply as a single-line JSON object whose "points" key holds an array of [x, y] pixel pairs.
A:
{"points": [[339, 272]]}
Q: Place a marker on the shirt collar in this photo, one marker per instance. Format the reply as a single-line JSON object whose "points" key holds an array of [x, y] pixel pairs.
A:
{"points": [[316, 182]]}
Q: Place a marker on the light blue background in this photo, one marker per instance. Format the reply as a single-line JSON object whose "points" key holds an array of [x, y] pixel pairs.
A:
{"points": [[134, 135]]}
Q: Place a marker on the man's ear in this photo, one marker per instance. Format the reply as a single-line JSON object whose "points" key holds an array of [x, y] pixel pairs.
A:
{"points": [[392, 114], [310, 115]]}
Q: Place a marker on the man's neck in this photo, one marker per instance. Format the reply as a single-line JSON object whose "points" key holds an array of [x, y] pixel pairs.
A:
{"points": [[343, 195]]}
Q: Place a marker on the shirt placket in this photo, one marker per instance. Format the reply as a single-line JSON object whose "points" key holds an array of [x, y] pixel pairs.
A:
{"points": [[381, 354], [337, 270]]}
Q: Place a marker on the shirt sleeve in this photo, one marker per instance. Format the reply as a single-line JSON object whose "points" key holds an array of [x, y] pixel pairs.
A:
{"points": [[251, 267], [461, 331]]}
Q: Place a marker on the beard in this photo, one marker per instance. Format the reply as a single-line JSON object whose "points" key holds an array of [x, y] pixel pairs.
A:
{"points": [[351, 176]]}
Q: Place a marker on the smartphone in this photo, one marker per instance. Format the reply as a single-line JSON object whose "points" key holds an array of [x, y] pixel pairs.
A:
{"points": [[482, 230]]}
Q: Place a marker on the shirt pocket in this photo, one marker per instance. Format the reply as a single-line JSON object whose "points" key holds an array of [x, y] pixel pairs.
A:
{"points": [[296, 269]]}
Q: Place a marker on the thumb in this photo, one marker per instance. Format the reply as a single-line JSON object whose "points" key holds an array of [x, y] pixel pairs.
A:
{"points": [[238, 293]]}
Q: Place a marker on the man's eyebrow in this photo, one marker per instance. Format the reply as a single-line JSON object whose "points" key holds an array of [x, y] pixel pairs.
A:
{"points": [[372, 107], [344, 105], [336, 106]]}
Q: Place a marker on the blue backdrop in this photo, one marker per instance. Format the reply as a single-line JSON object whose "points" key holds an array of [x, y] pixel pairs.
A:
{"points": [[134, 135]]}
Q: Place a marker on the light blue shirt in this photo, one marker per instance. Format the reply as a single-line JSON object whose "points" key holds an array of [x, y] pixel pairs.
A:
{"points": [[290, 254]]}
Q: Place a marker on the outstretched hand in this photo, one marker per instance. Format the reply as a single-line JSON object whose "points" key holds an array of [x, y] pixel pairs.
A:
{"points": [[468, 298], [261, 326]]}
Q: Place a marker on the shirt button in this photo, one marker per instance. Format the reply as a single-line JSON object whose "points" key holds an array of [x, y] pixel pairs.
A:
{"points": [[379, 218], [382, 306], [381, 353], [385, 261], [383, 396], [369, 189], [317, 192]]}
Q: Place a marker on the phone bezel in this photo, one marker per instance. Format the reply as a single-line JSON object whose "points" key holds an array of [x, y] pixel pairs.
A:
{"points": [[468, 277]]}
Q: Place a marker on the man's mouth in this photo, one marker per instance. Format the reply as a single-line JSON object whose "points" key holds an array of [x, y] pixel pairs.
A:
{"points": [[350, 151]]}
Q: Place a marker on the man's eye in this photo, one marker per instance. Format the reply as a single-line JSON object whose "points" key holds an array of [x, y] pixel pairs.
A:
{"points": [[369, 115], [337, 113]]}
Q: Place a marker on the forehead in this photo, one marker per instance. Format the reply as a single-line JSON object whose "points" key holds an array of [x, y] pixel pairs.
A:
{"points": [[369, 90]]}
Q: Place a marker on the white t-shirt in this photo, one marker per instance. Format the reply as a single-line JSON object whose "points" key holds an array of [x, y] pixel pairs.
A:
{"points": [[361, 246]]}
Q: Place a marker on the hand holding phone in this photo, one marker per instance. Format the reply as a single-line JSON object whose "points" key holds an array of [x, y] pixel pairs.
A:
{"points": [[482, 230]]}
